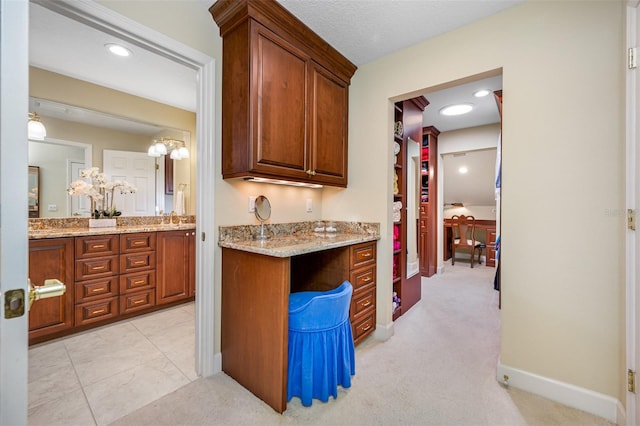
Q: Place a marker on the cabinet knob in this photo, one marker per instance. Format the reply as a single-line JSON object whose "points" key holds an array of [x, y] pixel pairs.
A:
{"points": [[311, 172]]}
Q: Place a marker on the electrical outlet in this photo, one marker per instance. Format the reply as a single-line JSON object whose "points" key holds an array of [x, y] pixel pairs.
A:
{"points": [[252, 203], [52, 208], [309, 205]]}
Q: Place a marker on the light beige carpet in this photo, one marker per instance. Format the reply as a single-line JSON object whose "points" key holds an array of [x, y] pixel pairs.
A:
{"points": [[437, 369]]}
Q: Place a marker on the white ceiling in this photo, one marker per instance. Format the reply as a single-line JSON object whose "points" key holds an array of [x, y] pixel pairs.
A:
{"points": [[366, 30], [362, 30]]}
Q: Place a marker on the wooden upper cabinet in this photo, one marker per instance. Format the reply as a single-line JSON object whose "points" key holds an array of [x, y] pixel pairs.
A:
{"points": [[279, 94], [329, 115], [285, 96]]}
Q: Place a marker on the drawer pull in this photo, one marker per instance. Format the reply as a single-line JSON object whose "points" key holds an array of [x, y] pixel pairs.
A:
{"points": [[366, 279], [98, 268], [138, 243], [97, 289], [137, 302], [98, 246], [98, 311], [139, 282], [367, 303], [139, 262], [367, 254], [367, 327]]}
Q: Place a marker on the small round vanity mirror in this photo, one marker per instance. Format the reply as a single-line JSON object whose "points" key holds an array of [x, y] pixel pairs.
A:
{"points": [[263, 213]]}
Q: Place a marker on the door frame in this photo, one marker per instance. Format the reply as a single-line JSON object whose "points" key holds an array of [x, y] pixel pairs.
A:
{"points": [[632, 238]]}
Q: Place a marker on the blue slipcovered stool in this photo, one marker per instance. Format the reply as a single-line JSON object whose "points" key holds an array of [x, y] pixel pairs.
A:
{"points": [[321, 351]]}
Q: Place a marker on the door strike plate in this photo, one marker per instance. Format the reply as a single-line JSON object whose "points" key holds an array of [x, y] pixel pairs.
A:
{"points": [[14, 303]]}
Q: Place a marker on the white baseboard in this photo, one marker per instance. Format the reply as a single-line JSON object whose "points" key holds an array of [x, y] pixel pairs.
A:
{"points": [[583, 399], [383, 332]]}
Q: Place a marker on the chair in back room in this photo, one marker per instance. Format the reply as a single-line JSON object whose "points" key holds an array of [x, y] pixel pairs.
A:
{"points": [[463, 236]]}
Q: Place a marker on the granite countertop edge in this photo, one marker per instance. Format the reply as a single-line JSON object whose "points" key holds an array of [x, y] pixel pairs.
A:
{"points": [[293, 245], [36, 234]]}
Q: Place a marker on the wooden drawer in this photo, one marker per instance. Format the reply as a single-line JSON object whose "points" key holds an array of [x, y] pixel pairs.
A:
{"points": [[137, 301], [364, 326], [491, 257], [363, 277], [137, 262], [99, 310], [491, 236], [138, 242], [98, 245], [137, 281], [363, 301], [363, 254], [87, 291], [97, 268]]}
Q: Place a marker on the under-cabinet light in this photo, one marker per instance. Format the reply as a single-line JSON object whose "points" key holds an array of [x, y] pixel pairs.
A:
{"points": [[283, 182]]}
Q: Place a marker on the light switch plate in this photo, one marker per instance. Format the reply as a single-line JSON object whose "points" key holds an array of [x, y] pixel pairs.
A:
{"points": [[309, 205], [252, 203]]}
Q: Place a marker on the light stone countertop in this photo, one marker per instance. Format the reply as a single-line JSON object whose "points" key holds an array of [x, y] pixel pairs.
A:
{"points": [[298, 238], [35, 234]]}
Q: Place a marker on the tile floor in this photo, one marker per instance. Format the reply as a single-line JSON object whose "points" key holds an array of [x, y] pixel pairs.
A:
{"points": [[98, 376]]}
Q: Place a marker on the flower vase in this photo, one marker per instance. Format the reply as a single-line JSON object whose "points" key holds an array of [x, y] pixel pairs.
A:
{"points": [[102, 223]]}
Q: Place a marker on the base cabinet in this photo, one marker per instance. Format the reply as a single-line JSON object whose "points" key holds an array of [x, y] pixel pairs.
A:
{"points": [[175, 267], [108, 278], [51, 259]]}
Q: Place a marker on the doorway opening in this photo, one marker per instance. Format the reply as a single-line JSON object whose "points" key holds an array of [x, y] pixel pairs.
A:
{"points": [[103, 19], [436, 189]]}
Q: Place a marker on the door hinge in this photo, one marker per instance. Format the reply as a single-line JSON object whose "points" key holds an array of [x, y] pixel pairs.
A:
{"points": [[632, 57], [631, 219], [157, 166], [631, 380]]}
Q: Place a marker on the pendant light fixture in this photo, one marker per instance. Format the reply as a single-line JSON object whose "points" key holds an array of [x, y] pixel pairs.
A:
{"points": [[36, 129]]}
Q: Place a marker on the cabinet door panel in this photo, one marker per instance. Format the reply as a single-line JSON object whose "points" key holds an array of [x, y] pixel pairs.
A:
{"points": [[51, 258], [172, 267], [280, 96], [328, 114]]}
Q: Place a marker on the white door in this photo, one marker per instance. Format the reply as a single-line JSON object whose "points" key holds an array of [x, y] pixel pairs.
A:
{"points": [[79, 206], [138, 169], [14, 90]]}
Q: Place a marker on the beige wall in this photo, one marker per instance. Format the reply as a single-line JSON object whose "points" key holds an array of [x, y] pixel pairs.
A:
{"points": [[55, 87], [563, 304], [563, 145]]}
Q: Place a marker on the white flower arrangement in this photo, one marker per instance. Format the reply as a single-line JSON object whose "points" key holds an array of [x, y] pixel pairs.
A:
{"points": [[100, 192]]}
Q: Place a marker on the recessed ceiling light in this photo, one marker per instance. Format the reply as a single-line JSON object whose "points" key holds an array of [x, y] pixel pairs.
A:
{"points": [[463, 170], [481, 93], [117, 49], [456, 109]]}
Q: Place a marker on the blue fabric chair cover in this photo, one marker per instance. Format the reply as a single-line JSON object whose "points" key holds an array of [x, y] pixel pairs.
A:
{"points": [[321, 351]]}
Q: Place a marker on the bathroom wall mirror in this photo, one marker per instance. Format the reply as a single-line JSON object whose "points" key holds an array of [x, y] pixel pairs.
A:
{"points": [[263, 213], [34, 191], [77, 139]]}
